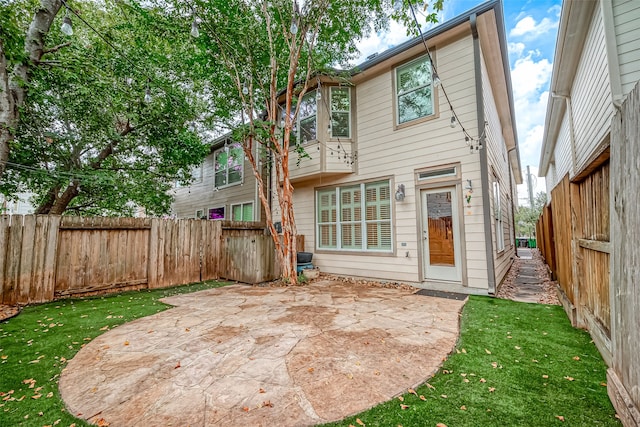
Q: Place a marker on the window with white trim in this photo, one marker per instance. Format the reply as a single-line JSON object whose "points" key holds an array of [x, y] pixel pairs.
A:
{"points": [[340, 112], [199, 214], [228, 165], [307, 118], [497, 215], [414, 90], [242, 212], [355, 217], [216, 213]]}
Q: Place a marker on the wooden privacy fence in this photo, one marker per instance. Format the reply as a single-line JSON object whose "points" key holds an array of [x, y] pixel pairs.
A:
{"points": [[573, 235], [46, 257]]}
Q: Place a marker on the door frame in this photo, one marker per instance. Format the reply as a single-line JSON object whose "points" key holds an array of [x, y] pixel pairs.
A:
{"points": [[435, 182]]}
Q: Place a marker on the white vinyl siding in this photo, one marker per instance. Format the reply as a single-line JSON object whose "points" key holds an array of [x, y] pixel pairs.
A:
{"points": [[242, 212], [562, 150], [414, 90], [626, 15], [591, 94], [341, 223]]}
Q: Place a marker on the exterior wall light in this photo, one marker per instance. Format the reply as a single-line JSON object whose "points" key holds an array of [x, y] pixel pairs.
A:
{"points": [[400, 193]]}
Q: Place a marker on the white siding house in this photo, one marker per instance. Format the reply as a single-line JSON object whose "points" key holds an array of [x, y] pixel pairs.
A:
{"points": [[395, 189], [597, 63], [223, 187]]}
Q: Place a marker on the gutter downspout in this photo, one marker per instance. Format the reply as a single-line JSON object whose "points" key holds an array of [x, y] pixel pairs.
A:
{"points": [[513, 205], [572, 131], [484, 165]]}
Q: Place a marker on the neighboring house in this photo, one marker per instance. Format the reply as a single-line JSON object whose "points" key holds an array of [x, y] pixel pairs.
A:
{"points": [[589, 159], [394, 189], [20, 206], [222, 188]]}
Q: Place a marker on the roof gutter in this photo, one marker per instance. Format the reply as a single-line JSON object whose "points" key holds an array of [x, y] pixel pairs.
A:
{"points": [[484, 164]]}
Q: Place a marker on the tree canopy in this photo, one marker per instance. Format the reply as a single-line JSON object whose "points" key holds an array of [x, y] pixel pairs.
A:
{"points": [[88, 141], [527, 216]]}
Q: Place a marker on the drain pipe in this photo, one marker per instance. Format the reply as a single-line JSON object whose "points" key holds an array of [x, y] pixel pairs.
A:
{"points": [[484, 165]]}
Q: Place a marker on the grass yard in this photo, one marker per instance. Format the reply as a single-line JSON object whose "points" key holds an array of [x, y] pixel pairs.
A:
{"points": [[515, 364], [35, 345]]}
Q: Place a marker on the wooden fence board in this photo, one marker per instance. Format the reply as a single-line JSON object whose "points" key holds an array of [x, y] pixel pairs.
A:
{"points": [[6, 294], [625, 260]]}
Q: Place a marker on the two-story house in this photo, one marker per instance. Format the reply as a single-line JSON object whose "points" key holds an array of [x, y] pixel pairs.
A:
{"points": [[223, 187], [412, 166]]}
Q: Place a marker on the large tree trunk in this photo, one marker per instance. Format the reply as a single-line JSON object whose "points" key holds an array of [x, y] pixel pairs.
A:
{"points": [[13, 85]]}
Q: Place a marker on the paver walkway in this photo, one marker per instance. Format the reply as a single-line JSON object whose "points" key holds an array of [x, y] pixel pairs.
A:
{"points": [[528, 280], [251, 356]]}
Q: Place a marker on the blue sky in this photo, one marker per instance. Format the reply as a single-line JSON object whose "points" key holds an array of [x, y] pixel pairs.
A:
{"points": [[531, 28]]}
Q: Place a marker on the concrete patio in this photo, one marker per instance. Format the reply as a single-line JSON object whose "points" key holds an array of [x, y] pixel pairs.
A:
{"points": [[259, 356]]}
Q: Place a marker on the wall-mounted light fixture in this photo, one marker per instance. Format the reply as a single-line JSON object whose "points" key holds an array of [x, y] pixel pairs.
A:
{"points": [[469, 186], [400, 193]]}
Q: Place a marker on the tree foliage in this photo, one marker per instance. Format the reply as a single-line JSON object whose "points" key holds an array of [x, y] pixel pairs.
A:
{"points": [[269, 54], [527, 216], [88, 142]]}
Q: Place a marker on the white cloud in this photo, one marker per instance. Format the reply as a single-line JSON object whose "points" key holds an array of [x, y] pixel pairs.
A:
{"points": [[516, 49], [528, 26], [555, 10], [530, 81]]}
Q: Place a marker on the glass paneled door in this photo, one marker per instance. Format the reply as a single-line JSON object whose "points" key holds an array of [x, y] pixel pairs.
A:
{"points": [[441, 234]]}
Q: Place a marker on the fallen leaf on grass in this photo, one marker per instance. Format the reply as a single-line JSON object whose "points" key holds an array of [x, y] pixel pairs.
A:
{"points": [[422, 397], [444, 396], [568, 378], [401, 399], [492, 389], [518, 347], [482, 380], [560, 417], [603, 384], [403, 406], [359, 421], [49, 395], [576, 358], [412, 391], [104, 328], [466, 380], [545, 376], [430, 386], [441, 425], [494, 364], [487, 351], [463, 408]]}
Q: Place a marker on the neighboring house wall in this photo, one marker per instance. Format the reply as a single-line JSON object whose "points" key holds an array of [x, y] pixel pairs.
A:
{"points": [[626, 15], [201, 194], [22, 206], [591, 94]]}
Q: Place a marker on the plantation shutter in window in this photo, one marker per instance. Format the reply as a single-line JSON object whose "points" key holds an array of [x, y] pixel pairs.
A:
{"points": [[378, 215], [327, 226], [351, 217]]}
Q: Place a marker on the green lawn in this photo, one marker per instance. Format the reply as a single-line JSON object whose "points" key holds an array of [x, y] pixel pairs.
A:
{"points": [[35, 345], [515, 364]]}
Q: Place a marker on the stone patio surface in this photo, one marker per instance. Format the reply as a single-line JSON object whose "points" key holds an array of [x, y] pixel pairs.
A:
{"points": [[259, 356]]}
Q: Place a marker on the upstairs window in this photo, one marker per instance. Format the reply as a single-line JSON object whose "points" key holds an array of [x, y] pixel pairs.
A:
{"points": [[414, 90], [229, 162], [340, 112], [307, 118]]}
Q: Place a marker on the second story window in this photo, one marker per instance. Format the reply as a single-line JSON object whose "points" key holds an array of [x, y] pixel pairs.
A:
{"points": [[340, 112], [228, 166], [414, 90], [307, 118]]}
